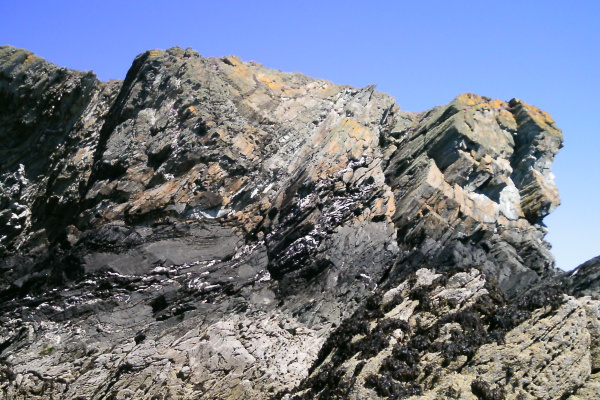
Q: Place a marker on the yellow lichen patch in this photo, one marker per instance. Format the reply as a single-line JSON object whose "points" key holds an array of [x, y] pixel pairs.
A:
{"points": [[272, 82], [356, 130], [541, 117], [28, 59], [546, 116], [239, 75], [345, 137], [497, 103], [154, 53], [469, 99], [240, 71], [192, 110]]}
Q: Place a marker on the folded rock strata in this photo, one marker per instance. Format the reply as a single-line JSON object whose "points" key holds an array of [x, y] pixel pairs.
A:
{"points": [[210, 228]]}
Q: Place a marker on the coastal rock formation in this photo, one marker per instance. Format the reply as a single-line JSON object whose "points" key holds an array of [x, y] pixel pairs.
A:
{"points": [[210, 228]]}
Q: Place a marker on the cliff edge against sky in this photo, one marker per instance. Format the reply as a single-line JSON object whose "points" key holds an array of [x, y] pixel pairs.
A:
{"points": [[210, 228]]}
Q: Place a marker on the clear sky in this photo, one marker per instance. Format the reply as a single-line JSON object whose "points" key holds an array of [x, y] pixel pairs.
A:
{"points": [[423, 53]]}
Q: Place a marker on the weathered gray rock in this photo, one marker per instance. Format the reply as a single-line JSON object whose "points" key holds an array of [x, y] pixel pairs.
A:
{"points": [[451, 335], [585, 279], [210, 228]]}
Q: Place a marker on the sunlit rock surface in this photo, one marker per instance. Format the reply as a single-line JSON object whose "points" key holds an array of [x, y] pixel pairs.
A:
{"points": [[210, 228]]}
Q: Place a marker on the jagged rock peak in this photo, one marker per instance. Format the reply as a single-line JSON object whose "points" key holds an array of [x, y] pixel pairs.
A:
{"points": [[210, 228]]}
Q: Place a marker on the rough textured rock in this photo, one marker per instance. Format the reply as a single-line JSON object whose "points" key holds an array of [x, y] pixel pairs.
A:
{"points": [[585, 279], [453, 335], [210, 228]]}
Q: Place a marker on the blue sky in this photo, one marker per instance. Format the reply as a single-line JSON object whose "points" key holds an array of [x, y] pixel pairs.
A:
{"points": [[423, 53]]}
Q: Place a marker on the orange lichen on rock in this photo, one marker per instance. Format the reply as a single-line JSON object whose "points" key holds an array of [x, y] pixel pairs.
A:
{"points": [[273, 82], [206, 203], [495, 103], [539, 116], [469, 99]]}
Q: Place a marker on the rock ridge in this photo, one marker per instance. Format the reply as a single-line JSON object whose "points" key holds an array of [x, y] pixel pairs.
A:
{"points": [[211, 228]]}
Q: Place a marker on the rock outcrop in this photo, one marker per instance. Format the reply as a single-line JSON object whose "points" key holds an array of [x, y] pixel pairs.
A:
{"points": [[210, 228]]}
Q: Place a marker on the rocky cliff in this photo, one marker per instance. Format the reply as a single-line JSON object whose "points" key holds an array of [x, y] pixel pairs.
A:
{"points": [[212, 229]]}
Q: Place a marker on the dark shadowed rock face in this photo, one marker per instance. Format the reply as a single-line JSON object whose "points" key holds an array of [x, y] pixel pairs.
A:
{"points": [[584, 280], [210, 228]]}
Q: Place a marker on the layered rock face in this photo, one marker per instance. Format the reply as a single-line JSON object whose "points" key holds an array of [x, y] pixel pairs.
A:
{"points": [[210, 228]]}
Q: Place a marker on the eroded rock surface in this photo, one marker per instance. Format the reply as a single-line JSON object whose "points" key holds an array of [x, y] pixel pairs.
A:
{"points": [[210, 228], [454, 335]]}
